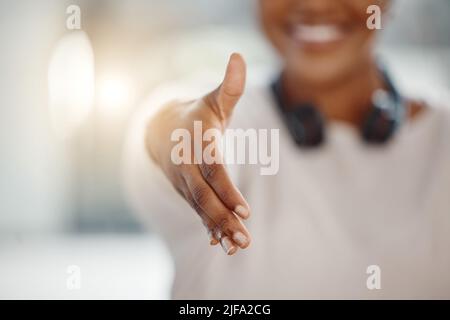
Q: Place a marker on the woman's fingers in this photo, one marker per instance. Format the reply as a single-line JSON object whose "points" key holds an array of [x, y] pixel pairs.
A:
{"points": [[206, 199], [211, 228], [228, 245], [219, 180], [215, 235]]}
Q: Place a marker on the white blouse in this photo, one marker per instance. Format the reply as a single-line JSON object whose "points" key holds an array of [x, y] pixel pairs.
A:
{"points": [[321, 221]]}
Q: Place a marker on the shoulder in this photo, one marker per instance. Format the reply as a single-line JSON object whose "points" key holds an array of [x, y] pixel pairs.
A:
{"points": [[429, 124], [436, 111]]}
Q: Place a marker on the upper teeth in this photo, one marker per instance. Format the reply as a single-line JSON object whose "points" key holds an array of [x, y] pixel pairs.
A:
{"points": [[317, 33]]}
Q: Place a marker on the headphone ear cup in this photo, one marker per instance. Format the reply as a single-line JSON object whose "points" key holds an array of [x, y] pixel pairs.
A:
{"points": [[379, 126], [306, 125]]}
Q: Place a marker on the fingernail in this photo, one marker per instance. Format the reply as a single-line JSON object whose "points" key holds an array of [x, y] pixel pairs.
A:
{"points": [[240, 239], [228, 246], [241, 211], [218, 233], [212, 240]]}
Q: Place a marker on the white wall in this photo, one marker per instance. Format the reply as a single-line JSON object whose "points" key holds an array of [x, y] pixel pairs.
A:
{"points": [[32, 165]]}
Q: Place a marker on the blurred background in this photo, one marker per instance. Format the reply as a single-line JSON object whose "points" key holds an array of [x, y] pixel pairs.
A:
{"points": [[66, 97]]}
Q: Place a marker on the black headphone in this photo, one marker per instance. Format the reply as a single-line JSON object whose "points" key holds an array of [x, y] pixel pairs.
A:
{"points": [[307, 126]]}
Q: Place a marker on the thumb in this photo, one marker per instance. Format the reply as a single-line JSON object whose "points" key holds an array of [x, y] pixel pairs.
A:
{"points": [[229, 92]]}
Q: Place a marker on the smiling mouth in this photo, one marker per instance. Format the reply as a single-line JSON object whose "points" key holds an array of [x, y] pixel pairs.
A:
{"points": [[318, 34]]}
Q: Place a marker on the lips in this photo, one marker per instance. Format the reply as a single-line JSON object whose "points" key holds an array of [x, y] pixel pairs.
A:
{"points": [[317, 34]]}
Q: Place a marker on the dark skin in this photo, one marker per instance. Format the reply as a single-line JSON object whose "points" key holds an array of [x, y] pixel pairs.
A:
{"points": [[339, 75], [327, 51]]}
